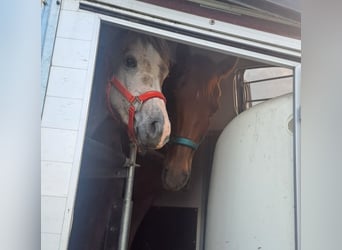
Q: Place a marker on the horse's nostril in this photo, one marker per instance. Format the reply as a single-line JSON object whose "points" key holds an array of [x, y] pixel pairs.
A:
{"points": [[155, 128]]}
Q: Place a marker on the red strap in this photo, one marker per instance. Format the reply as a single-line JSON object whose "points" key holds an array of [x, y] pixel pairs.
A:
{"points": [[135, 101], [122, 89], [151, 94]]}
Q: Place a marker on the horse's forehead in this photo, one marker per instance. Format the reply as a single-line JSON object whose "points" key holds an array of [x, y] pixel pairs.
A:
{"points": [[144, 51], [199, 79], [199, 85]]}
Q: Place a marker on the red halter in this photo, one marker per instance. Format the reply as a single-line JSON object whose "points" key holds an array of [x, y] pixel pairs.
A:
{"points": [[135, 102]]}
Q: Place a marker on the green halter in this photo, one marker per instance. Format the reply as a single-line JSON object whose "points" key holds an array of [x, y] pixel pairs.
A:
{"points": [[185, 142]]}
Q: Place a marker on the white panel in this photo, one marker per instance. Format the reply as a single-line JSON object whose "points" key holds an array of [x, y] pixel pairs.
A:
{"points": [[66, 82], [61, 113], [55, 177], [76, 25], [57, 144], [52, 214], [70, 4], [321, 126], [71, 53], [50, 241], [251, 196]]}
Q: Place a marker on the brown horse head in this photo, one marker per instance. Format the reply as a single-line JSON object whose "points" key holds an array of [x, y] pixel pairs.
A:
{"points": [[193, 91]]}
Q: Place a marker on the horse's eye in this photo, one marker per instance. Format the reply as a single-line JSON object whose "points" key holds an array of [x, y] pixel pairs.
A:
{"points": [[130, 62]]}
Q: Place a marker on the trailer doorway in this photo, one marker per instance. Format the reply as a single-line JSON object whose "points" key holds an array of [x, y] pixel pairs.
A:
{"points": [[193, 201]]}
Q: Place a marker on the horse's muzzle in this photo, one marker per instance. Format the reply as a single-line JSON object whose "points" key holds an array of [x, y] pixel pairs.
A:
{"points": [[174, 181], [152, 128]]}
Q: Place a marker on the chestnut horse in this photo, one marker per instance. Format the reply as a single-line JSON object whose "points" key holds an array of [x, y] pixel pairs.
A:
{"points": [[136, 112], [193, 92]]}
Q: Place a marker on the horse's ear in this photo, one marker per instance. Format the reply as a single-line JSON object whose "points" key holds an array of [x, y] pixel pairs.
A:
{"points": [[226, 67]]}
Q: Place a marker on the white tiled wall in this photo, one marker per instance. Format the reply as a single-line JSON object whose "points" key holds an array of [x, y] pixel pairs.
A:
{"points": [[58, 144], [50, 241], [64, 120], [62, 113], [52, 212], [71, 53], [55, 177], [70, 4], [67, 82], [75, 26]]}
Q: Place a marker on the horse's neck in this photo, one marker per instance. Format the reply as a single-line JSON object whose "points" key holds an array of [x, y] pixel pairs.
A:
{"points": [[112, 134]]}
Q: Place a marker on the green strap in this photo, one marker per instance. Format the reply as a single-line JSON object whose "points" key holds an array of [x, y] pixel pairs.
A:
{"points": [[185, 142]]}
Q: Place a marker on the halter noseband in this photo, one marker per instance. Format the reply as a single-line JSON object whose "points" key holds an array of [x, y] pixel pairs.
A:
{"points": [[184, 142], [134, 101]]}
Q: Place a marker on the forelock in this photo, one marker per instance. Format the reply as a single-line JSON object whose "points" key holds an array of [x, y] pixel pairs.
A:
{"points": [[160, 45]]}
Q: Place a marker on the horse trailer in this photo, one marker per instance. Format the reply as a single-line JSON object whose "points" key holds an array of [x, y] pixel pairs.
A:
{"points": [[244, 190]]}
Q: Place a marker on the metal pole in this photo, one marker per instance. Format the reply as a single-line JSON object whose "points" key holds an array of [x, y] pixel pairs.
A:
{"points": [[297, 154], [127, 203]]}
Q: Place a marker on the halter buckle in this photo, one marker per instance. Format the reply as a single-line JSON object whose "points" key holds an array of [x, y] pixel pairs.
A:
{"points": [[137, 103]]}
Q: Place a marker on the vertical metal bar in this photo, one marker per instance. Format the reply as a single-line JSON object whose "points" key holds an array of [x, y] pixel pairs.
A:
{"points": [[296, 154], [45, 13], [127, 203], [49, 22]]}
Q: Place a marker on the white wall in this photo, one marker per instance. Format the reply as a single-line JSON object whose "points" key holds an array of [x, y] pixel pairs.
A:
{"points": [[321, 125], [64, 119]]}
